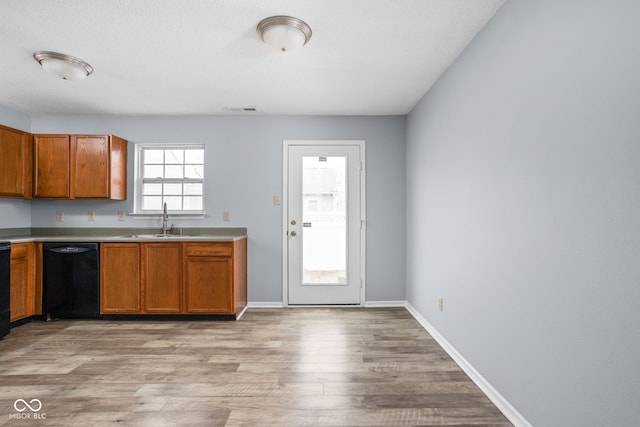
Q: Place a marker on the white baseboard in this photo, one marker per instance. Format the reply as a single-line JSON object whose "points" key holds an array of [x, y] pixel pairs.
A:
{"points": [[381, 304], [368, 304], [501, 403], [265, 305], [244, 310]]}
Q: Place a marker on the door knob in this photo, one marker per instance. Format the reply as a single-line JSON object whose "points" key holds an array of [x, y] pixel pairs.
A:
{"points": [[293, 233]]}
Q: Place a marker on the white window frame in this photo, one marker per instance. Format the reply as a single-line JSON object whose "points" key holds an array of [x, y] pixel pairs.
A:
{"points": [[137, 200]]}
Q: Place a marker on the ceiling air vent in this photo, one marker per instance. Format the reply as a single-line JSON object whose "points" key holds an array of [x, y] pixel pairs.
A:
{"points": [[242, 109]]}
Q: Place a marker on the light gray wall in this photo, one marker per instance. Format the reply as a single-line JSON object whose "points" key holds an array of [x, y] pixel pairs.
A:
{"points": [[15, 213], [523, 189], [244, 172]]}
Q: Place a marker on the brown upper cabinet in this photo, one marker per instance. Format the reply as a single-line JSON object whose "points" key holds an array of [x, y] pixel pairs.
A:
{"points": [[80, 166], [52, 166], [16, 152]]}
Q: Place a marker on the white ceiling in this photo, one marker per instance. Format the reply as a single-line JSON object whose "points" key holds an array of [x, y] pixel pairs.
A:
{"points": [[152, 57]]}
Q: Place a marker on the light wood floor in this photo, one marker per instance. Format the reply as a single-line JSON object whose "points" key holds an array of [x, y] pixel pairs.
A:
{"points": [[285, 367]]}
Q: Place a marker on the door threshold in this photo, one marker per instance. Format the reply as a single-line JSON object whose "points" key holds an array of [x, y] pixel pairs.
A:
{"points": [[323, 305]]}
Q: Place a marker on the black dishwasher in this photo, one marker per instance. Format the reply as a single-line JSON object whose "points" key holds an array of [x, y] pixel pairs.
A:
{"points": [[5, 288], [71, 280]]}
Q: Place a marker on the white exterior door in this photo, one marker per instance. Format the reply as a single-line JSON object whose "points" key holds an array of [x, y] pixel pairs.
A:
{"points": [[324, 222]]}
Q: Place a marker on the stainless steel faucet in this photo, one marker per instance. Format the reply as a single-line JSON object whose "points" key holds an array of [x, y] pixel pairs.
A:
{"points": [[165, 220]]}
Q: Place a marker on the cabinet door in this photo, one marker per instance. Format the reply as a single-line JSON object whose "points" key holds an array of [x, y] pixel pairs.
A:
{"points": [[51, 160], [118, 182], [15, 163], [162, 288], [208, 284], [91, 166], [22, 281], [120, 278]]}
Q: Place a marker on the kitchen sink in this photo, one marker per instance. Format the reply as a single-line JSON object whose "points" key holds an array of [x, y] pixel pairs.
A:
{"points": [[156, 236]]}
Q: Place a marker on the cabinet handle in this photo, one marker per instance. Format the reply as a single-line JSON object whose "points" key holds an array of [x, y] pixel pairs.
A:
{"points": [[293, 222], [293, 233]]}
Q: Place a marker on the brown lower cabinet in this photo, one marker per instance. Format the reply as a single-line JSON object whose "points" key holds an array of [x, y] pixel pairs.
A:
{"points": [[23, 272], [173, 278], [162, 278], [120, 278]]}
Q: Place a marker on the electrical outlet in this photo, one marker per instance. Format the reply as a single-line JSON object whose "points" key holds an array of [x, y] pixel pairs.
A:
{"points": [[440, 303], [276, 200], [59, 216], [226, 216], [120, 215], [91, 215]]}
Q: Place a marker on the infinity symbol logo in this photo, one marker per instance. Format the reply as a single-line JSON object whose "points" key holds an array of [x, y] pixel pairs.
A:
{"points": [[37, 405]]}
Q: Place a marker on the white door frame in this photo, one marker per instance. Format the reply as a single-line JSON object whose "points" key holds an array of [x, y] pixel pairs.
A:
{"points": [[285, 211]]}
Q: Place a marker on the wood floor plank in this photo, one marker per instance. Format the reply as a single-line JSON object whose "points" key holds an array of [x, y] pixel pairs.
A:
{"points": [[295, 367]]}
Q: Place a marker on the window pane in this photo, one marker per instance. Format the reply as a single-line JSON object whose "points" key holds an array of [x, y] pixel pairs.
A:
{"points": [[173, 189], [194, 171], [193, 189], [173, 171], [151, 203], [174, 203], [153, 156], [194, 156], [152, 171], [192, 203], [151, 189], [174, 157]]}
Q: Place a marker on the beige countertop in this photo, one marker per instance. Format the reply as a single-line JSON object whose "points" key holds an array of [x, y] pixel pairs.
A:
{"points": [[213, 234]]}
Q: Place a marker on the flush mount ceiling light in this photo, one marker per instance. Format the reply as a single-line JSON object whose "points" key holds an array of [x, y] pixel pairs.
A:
{"points": [[284, 33], [64, 66]]}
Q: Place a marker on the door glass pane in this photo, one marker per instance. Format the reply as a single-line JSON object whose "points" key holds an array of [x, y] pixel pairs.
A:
{"points": [[324, 220]]}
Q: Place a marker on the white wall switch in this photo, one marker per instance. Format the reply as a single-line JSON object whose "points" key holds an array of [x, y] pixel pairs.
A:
{"points": [[276, 200], [226, 216], [120, 215], [59, 216], [440, 303], [91, 215]]}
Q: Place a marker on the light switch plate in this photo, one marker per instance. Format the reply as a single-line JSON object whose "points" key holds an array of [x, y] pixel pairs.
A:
{"points": [[91, 215], [120, 215], [226, 216], [59, 216]]}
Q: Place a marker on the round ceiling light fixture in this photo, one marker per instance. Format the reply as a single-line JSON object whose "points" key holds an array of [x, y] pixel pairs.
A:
{"points": [[284, 33], [64, 66]]}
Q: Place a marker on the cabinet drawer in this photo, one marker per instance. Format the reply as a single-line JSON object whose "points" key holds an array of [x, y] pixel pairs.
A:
{"points": [[19, 250], [208, 249]]}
